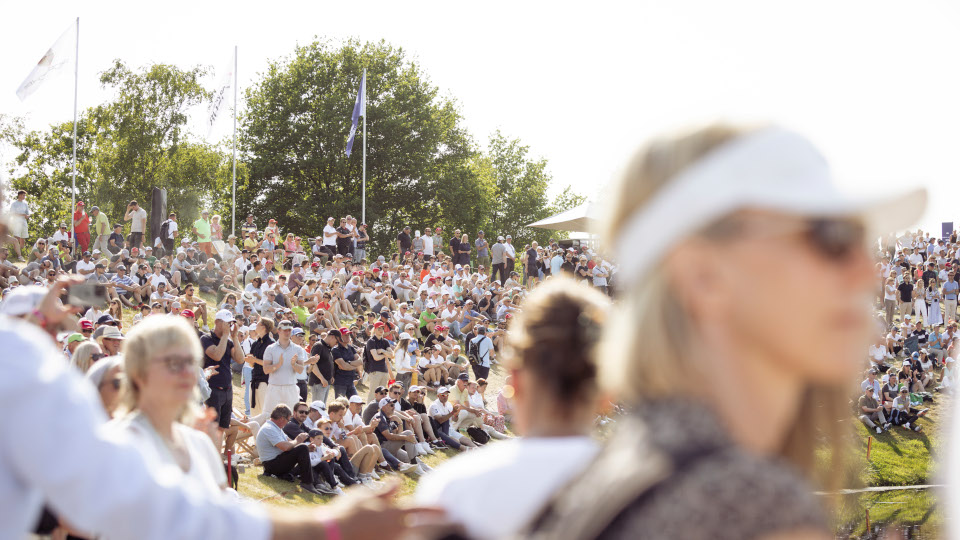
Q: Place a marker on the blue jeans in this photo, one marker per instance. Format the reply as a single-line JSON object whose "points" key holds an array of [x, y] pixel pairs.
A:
{"points": [[348, 390], [247, 374], [359, 254]]}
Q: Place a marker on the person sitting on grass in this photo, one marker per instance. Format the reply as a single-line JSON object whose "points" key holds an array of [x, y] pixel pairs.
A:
{"points": [[349, 436], [473, 404], [322, 460], [281, 457], [442, 413], [431, 365], [871, 412], [903, 414]]}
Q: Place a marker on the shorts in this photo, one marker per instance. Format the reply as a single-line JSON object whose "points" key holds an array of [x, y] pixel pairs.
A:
{"points": [[18, 228], [222, 402]]}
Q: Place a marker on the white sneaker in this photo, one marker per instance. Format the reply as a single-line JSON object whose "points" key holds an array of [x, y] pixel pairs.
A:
{"points": [[907, 425], [879, 431], [408, 468], [373, 476], [424, 466], [419, 471], [337, 491]]}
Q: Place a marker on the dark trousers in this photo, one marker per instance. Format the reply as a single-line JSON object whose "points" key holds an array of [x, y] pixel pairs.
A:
{"points": [[899, 418], [348, 390], [324, 471], [480, 372], [136, 240], [499, 269], [302, 386], [296, 461], [443, 431]]}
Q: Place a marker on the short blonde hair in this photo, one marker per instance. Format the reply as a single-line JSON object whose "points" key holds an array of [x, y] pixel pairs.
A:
{"points": [[154, 335], [83, 355]]}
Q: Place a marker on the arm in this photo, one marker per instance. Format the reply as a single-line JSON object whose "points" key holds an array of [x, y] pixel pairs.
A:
{"points": [[270, 367], [217, 351], [344, 365], [316, 371]]}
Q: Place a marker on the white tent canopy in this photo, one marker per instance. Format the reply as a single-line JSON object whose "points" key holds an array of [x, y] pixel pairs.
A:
{"points": [[583, 218]]}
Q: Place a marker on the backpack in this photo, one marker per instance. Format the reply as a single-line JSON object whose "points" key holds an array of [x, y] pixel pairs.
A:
{"points": [[164, 230], [472, 349], [478, 435]]}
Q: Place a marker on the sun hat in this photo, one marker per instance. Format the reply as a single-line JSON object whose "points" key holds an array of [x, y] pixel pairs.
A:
{"points": [[111, 332], [772, 168]]}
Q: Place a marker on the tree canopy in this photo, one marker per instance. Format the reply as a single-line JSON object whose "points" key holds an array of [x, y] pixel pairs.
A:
{"points": [[424, 168]]}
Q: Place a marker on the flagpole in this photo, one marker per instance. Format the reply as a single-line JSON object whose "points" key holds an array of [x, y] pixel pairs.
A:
{"points": [[233, 225], [363, 217], [73, 188]]}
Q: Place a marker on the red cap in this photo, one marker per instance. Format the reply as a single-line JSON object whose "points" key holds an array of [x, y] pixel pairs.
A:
{"points": [[86, 325], [378, 325], [345, 331], [272, 220], [315, 265], [187, 313], [407, 253], [80, 203], [376, 270]]}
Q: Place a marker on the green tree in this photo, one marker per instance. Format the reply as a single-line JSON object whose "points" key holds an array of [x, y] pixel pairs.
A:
{"points": [[520, 184], [295, 129], [125, 148]]}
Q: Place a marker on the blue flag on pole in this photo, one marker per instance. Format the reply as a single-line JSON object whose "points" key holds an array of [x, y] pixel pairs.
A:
{"points": [[359, 109]]}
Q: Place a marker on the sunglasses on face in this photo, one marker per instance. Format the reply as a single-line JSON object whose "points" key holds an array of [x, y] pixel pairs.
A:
{"points": [[833, 238], [97, 356]]}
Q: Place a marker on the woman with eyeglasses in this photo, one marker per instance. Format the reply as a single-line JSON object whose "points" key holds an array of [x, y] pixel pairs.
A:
{"points": [[38, 251], [161, 357], [734, 247]]}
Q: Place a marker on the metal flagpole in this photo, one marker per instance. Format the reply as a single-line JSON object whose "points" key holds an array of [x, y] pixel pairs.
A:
{"points": [[233, 226], [73, 188], [363, 217]]}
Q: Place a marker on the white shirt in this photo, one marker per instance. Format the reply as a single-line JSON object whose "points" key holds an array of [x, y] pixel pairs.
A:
{"points": [[511, 480], [86, 266], [440, 409], [351, 420], [404, 362], [427, 245], [116, 492], [275, 353], [138, 220], [157, 279], [329, 240]]}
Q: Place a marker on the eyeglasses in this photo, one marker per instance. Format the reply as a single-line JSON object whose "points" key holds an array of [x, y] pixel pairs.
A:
{"points": [[394, 393], [833, 238], [302, 411], [87, 331], [97, 356], [116, 382], [326, 428], [176, 363]]}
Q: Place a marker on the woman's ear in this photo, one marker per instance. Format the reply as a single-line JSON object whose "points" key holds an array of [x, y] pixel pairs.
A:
{"points": [[700, 278]]}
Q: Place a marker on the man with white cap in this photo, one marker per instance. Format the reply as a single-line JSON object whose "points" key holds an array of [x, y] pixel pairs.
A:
{"points": [[281, 362], [402, 444], [221, 348]]}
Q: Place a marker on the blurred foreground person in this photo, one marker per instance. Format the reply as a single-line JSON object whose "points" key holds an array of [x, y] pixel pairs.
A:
{"points": [[107, 486], [554, 386], [735, 250]]}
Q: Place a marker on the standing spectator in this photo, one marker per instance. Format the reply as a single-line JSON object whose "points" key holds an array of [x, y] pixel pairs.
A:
{"points": [[463, 249], [321, 373], [950, 289], [220, 347], [330, 238], [378, 355], [483, 252], [20, 211], [531, 268], [417, 245], [499, 253], [81, 226], [906, 296], [344, 238], [404, 242], [600, 275], [101, 231], [362, 238], [346, 365], [281, 362], [138, 224], [483, 346], [280, 455], [510, 256], [216, 229], [437, 240], [201, 229], [428, 249], [168, 231], [248, 226]]}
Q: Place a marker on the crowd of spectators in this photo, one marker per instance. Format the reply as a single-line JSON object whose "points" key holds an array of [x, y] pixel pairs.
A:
{"points": [[418, 330]]}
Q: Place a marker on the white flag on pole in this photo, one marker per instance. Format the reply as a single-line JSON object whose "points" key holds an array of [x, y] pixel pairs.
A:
{"points": [[54, 63], [221, 95]]}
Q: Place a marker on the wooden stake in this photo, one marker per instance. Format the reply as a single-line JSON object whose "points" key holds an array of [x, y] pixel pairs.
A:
{"points": [[869, 444]]}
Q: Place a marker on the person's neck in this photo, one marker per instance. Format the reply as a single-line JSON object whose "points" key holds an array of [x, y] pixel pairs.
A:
{"points": [[160, 417], [742, 374], [284, 342]]}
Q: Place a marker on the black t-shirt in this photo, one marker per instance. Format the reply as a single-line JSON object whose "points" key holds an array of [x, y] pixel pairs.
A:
{"points": [[430, 341], [405, 242], [922, 336], [324, 365], [370, 411], [223, 379], [419, 407], [257, 349], [906, 289], [531, 260], [348, 355], [362, 238], [117, 239], [455, 248], [344, 241], [385, 425], [294, 428], [376, 366], [928, 276], [568, 267]]}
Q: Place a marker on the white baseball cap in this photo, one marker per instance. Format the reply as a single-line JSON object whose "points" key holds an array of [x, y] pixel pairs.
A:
{"points": [[225, 315], [772, 168], [22, 300], [386, 401], [356, 399]]}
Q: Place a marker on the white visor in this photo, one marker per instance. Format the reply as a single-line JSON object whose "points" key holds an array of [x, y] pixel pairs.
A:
{"points": [[771, 169]]}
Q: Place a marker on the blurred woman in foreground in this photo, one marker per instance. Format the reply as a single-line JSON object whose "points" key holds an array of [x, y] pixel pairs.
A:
{"points": [[553, 376], [744, 280]]}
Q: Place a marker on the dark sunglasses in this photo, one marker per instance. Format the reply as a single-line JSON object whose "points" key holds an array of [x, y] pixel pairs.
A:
{"points": [[833, 238], [97, 356]]}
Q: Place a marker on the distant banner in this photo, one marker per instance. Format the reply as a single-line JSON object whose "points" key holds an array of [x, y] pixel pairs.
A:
{"points": [[947, 229], [221, 95]]}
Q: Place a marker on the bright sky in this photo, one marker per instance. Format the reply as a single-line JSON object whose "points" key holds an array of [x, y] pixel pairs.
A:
{"points": [[875, 83]]}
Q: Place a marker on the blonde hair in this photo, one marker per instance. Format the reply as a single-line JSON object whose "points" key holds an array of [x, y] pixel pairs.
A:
{"points": [[646, 349], [83, 355], [152, 336]]}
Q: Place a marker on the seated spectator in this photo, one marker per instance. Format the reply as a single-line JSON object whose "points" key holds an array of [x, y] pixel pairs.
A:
{"points": [[210, 277], [871, 412], [402, 444], [106, 375], [905, 415], [442, 411], [282, 457]]}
